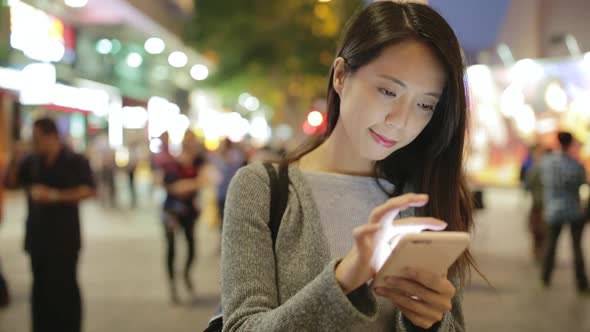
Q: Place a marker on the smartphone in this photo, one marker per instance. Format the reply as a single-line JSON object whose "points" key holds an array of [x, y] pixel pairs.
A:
{"points": [[431, 251]]}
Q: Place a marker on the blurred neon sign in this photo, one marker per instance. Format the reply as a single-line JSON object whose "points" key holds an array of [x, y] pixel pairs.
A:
{"points": [[47, 39]]}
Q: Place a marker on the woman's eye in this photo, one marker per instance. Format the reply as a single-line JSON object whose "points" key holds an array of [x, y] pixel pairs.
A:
{"points": [[426, 107], [387, 93]]}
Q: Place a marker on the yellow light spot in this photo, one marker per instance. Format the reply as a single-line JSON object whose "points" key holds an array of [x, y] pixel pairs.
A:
{"points": [[321, 11], [122, 158], [211, 144]]}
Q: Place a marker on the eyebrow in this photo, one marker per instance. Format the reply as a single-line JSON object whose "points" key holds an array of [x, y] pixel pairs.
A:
{"points": [[402, 84]]}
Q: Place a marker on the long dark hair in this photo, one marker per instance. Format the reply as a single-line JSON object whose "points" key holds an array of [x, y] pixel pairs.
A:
{"points": [[433, 162]]}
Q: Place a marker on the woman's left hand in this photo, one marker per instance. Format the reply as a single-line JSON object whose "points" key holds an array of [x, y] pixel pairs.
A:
{"points": [[421, 296]]}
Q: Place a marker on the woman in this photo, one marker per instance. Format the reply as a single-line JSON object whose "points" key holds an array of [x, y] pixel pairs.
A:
{"points": [[183, 177], [397, 120]]}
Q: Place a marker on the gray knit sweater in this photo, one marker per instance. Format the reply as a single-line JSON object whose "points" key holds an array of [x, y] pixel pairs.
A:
{"points": [[345, 202], [306, 296]]}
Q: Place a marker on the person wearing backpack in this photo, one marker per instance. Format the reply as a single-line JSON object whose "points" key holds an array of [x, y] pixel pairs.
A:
{"points": [[397, 119]]}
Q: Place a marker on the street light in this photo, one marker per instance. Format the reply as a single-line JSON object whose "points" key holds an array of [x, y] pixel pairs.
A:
{"points": [[199, 72], [154, 45], [555, 97], [104, 46], [134, 60], [315, 118], [243, 97], [177, 59], [76, 3], [252, 103]]}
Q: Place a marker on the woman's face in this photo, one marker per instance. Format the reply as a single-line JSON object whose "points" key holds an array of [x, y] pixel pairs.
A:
{"points": [[385, 104]]}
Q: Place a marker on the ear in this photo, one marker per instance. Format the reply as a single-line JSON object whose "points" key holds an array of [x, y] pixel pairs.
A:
{"points": [[339, 75]]}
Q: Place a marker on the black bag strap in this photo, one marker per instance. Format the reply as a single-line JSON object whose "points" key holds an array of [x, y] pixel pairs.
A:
{"points": [[279, 194]]}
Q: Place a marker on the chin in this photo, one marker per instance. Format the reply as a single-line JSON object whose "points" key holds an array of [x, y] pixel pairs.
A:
{"points": [[379, 153], [375, 154]]}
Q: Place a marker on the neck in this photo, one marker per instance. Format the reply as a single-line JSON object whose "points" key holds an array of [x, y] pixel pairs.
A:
{"points": [[335, 155]]}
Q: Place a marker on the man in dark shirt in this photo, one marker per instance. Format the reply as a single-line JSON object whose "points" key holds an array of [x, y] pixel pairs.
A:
{"points": [[56, 179]]}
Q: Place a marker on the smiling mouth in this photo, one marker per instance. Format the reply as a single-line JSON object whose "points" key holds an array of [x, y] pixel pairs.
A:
{"points": [[382, 140]]}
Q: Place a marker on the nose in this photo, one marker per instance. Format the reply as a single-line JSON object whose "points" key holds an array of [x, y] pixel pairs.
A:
{"points": [[400, 114]]}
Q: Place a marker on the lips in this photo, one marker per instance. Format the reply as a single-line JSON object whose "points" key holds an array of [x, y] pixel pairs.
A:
{"points": [[382, 140]]}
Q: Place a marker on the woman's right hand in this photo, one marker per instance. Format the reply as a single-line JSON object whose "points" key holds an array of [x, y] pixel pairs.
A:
{"points": [[356, 268]]}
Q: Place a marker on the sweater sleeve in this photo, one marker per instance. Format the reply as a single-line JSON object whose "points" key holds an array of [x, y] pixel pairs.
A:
{"points": [[249, 288]]}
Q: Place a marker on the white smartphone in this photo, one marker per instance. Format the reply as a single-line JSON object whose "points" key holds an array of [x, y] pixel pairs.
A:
{"points": [[431, 251]]}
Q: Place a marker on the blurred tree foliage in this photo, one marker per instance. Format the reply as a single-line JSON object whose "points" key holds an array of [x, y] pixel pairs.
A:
{"points": [[4, 31], [278, 50]]}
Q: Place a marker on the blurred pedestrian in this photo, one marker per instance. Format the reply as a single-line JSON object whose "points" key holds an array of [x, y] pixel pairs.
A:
{"points": [[4, 294], [130, 170], [184, 176], [228, 160], [536, 224], [397, 119], [527, 164], [56, 180], [562, 176], [107, 178], [103, 162]]}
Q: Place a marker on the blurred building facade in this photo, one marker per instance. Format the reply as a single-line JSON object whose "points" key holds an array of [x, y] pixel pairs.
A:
{"points": [[93, 66], [530, 82]]}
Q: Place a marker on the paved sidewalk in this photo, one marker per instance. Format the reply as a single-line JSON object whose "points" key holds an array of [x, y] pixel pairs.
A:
{"points": [[123, 279], [122, 272], [519, 302]]}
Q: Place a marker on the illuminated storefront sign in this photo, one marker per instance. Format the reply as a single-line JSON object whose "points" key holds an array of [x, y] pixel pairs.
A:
{"points": [[10, 79], [40, 36], [134, 117], [36, 85], [68, 97]]}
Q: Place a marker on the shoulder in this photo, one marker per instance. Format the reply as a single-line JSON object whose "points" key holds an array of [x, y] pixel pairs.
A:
{"points": [[248, 193], [256, 177], [572, 162], [253, 181]]}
